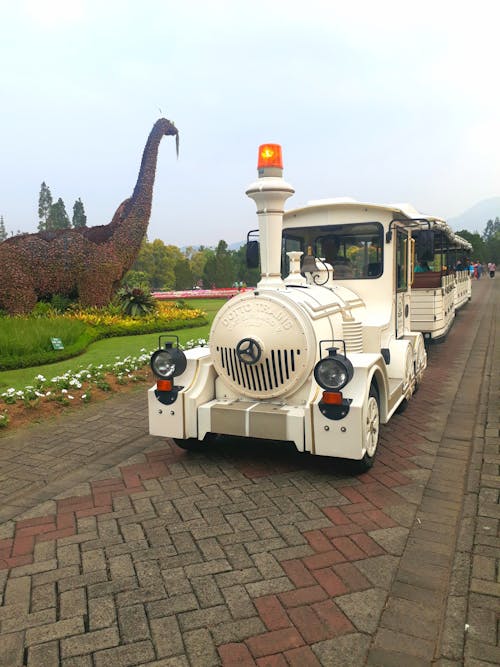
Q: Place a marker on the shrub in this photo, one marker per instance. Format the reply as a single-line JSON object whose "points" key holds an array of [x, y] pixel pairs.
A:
{"points": [[60, 303], [25, 341], [135, 301], [41, 309]]}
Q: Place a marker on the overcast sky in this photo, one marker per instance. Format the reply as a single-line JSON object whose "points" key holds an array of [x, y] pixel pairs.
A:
{"points": [[381, 101]]}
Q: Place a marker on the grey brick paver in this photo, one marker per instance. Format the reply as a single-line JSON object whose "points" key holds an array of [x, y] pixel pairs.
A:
{"points": [[57, 630], [133, 624], [73, 603], [199, 648], [44, 654], [125, 656], [79, 644], [102, 612], [167, 637]]}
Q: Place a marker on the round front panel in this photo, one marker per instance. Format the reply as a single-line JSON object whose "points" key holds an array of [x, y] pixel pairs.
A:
{"points": [[262, 345]]}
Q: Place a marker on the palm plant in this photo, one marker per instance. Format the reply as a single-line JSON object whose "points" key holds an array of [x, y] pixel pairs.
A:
{"points": [[135, 301]]}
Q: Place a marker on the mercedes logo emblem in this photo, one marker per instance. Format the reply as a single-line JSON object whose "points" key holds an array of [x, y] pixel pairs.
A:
{"points": [[248, 351]]}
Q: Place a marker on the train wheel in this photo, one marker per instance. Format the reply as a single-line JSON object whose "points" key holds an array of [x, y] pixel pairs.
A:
{"points": [[371, 432]]}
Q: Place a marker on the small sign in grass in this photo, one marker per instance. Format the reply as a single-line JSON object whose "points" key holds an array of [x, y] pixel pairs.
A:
{"points": [[57, 344]]}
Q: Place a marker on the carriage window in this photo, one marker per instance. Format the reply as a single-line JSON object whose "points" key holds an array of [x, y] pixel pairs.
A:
{"points": [[355, 251]]}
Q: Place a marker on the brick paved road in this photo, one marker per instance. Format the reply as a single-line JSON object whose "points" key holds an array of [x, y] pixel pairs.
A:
{"points": [[117, 549]]}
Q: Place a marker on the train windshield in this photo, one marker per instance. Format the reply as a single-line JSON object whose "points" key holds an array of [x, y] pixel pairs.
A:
{"points": [[354, 250]]}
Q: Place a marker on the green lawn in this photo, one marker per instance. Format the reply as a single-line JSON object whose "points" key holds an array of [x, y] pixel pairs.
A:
{"points": [[106, 350]]}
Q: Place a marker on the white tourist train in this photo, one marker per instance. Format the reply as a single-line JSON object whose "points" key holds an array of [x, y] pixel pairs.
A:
{"points": [[326, 348]]}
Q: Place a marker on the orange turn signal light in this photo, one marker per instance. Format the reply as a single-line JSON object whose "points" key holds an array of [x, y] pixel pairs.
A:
{"points": [[270, 156], [333, 397], [164, 385]]}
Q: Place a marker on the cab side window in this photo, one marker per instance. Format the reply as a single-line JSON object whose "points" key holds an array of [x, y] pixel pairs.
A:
{"points": [[401, 260]]}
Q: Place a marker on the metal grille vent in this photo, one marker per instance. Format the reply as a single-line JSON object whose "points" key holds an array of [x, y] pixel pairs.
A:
{"points": [[353, 336], [274, 371]]}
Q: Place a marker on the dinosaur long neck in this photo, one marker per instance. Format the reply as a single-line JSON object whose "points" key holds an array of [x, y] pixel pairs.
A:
{"points": [[133, 222]]}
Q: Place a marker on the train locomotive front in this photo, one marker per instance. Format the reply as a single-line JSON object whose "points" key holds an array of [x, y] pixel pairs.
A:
{"points": [[300, 359]]}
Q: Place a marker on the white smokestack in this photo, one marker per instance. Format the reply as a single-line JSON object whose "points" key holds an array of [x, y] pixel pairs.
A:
{"points": [[269, 193]]}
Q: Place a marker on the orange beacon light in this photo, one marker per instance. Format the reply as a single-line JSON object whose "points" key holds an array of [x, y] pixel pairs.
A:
{"points": [[270, 156]]}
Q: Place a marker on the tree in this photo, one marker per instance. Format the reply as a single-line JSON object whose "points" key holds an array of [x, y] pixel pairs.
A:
{"points": [[79, 217], [219, 269], [491, 237], [478, 247], [137, 279], [209, 272], [243, 273], [183, 274], [44, 206], [224, 272], [58, 218], [197, 262], [158, 261], [3, 233], [491, 229]]}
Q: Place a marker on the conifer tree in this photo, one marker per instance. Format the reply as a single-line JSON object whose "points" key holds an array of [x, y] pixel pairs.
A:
{"points": [[58, 218], [44, 204], [79, 217], [3, 233]]}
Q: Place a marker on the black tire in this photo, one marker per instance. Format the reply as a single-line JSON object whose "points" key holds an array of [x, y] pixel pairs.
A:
{"points": [[373, 422], [190, 444], [402, 407]]}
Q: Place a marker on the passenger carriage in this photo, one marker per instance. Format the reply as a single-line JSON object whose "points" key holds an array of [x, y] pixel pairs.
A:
{"points": [[445, 286]]}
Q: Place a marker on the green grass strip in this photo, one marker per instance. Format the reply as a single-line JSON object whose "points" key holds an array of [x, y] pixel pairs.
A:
{"points": [[106, 350]]}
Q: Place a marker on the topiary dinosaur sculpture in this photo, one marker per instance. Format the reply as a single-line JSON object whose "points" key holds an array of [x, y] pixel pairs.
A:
{"points": [[88, 262]]}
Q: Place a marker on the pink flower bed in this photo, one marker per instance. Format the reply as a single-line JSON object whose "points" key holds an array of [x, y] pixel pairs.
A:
{"points": [[219, 293]]}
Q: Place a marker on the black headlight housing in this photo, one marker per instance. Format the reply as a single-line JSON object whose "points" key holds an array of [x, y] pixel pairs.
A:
{"points": [[334, 371], [168, 361]]}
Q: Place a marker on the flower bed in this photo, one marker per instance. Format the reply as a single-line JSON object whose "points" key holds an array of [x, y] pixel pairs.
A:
{"points": [[219, 293], [45, 397], [163, 317], [99, 323]]}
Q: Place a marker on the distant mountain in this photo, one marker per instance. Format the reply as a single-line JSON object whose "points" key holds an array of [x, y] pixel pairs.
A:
{"points": [[475, 218], [236, 245]]}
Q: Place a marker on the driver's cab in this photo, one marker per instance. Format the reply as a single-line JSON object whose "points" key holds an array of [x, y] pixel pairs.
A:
{"points": [[365, 247]]}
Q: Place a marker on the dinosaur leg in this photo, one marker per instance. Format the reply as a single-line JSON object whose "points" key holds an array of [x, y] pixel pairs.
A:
{"points": [[95, 288], [19, 299]]}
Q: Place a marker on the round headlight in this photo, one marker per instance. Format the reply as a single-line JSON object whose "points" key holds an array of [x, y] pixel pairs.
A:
{"points": [[168, 362], [333, 372]]}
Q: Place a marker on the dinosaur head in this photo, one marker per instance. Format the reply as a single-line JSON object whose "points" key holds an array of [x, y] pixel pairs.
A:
{"points": [[167, 127]]}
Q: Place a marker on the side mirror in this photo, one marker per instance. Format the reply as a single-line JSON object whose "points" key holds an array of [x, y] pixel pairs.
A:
{"points": [[425, 245], [252, 254]]}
